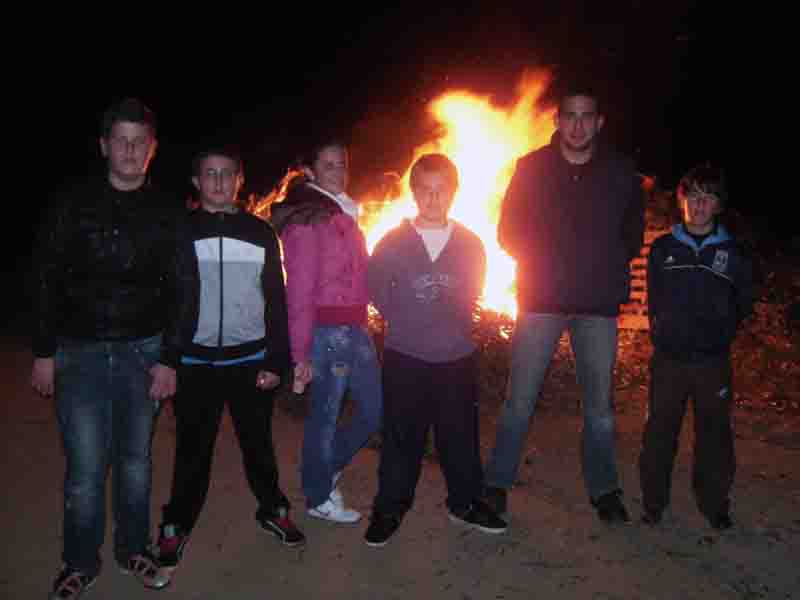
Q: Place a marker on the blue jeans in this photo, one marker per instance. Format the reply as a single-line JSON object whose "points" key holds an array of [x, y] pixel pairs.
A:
{"points": [[106, 418], [594, 343], [342, 357]]}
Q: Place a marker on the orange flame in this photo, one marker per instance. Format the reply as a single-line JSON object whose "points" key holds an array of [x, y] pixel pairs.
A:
{"points": [[484, 141]]}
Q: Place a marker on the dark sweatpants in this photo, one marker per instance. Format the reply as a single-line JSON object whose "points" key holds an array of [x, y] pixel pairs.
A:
{"points": [[708, 383], [203, 391], [418, 395]]}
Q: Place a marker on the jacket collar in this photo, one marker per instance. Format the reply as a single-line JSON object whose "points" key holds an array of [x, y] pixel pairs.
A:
{"points": [[345, 202], [719, 235]]}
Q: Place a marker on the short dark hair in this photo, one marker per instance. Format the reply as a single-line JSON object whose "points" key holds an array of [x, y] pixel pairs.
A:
{"points": [[436, 163], [707, 179], [229, 152], [131, 110], [574, 89]]}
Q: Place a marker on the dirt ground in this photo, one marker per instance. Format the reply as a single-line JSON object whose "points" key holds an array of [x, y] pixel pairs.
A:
{"points": [[555, 546]]}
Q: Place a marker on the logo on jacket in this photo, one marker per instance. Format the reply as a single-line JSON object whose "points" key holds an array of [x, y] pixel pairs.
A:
{"points": [[430, 287], [670, 260], [720, 263]]}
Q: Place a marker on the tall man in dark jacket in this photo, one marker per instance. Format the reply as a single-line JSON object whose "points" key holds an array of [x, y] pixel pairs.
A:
{"points": [[102, 301], [572, 219]]}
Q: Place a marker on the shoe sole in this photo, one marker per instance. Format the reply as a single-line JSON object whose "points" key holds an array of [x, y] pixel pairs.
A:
{"points": [[323, 517], [281, 539], [168, 570], [376, 544], [468, 525]]}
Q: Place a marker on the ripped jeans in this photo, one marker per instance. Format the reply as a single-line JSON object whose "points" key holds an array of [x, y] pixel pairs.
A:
{"points": [[594, 344], [343, 357]]}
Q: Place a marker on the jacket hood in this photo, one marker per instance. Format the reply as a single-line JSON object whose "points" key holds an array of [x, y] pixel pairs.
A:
{"points": [[303, 205]]}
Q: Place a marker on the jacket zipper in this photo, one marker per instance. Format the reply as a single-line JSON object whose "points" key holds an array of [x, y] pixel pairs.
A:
{"points": [[695, 287], [221, 294]]}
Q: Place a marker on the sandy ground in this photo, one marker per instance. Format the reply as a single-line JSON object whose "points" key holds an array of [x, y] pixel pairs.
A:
{"points": [[555, 546]]}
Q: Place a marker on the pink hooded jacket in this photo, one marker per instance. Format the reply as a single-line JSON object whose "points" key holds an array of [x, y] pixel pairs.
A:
{"points": [[325, 258]]}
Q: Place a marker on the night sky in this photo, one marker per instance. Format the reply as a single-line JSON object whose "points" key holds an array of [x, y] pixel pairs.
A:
{"points": [[271, 80]]}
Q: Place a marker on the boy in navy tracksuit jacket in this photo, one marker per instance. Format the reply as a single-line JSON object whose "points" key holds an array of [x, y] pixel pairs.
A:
{"points": [[425, 277], [700, 287], [232, 343]]}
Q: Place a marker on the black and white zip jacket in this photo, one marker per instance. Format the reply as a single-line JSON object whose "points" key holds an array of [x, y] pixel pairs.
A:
{"points": [[231, 291], [697, 294]]}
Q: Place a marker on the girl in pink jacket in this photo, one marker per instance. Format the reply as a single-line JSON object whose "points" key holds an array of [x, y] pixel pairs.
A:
{"points": [[325, 258]]}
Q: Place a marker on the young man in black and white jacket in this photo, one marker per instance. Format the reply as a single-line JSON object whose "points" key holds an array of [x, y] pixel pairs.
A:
{"points": [[231, 341]]}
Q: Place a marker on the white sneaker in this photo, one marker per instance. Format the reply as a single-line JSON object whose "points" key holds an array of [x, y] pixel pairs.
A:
{"points": [[330, 511], [336, 494]]}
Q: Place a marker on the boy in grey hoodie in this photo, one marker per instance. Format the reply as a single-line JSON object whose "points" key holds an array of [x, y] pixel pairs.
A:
{"points": [[425, 277]]}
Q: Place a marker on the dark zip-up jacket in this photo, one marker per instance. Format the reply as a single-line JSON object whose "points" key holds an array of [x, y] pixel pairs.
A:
{"points": [[230, 293], [102, 265], [572, 229], [697, 295]]}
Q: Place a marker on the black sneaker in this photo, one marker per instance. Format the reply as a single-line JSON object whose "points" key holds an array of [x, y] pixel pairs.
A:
{"points": [[171, 543], [610, 508], [651, 518], [282, 527], [496, 498], [721, 521], [381, 528], [479, 516], [71, 584]]}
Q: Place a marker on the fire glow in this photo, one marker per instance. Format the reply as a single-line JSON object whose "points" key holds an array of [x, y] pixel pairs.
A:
{"points": [[484, 141]]}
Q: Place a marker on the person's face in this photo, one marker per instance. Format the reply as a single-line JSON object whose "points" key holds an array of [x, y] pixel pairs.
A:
{"points": [[330, 170], [698, 210], [433, 194], [578, 122], [218, 181], [128, 149]]}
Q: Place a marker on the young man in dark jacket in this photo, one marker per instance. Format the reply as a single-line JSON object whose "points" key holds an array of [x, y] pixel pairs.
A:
{"points": [[425, 277], [572, 219], [102, 301], [699, 289], [231, 340]]}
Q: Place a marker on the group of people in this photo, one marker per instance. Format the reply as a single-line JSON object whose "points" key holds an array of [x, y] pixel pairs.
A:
{"points": [[137, 302]]}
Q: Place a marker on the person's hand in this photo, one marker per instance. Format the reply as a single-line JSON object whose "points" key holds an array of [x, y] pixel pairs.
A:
{"points": [[43, 375], [164, 382], [267, 380], [303, 374]]}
